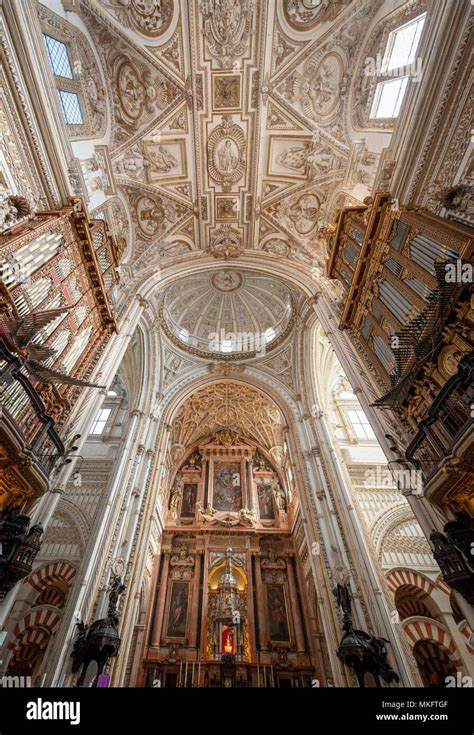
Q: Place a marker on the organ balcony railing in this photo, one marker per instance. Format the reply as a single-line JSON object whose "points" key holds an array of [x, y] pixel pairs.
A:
{"points": [[443, 447], [23, 408]]}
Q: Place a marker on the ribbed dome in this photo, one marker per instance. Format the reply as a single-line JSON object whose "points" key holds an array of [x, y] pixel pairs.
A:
{"points": [[227, 311]]}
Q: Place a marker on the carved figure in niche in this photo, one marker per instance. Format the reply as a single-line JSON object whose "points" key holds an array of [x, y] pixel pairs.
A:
{"points": [[162, 161], [175, 495], [189, 499], [280, 497], [227, 156]]}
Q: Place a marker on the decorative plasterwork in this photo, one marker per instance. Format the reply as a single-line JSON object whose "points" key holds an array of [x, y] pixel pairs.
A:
{"points": [[148, 17], [304, 15], [226, 242], [226, 26], [85, 70], [364, 84], [153, 216], [142, 93], [228, 406], [226, 153]]}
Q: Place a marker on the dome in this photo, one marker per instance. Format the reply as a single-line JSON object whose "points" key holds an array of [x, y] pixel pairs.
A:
{"points": [[227, 311]]}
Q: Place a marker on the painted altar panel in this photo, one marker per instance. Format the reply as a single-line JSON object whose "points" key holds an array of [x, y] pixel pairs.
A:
{"points": [[265, 501], [178, 610], [277, 613], [227, 486]]}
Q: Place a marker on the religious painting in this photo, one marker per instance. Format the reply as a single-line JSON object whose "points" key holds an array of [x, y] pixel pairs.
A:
{"points": [[227, 486], [288, 157], [166, 160], [178, 610], [265, 501], [188, 506], [226, 92], [277, 614], [227, 209]]}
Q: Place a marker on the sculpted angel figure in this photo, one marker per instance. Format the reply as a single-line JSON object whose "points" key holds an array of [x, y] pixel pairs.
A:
{"points": [[162, 161]]}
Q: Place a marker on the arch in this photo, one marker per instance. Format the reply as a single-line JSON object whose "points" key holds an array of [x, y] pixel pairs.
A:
{"points": [[30, 639], [425, 629], [387, 521], [58, 571], [147, 283], [406, 577], [433, 663], [53, 595], [44, 618]]}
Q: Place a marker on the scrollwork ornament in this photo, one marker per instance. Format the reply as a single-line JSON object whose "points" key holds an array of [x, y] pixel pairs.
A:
{"points": [[227, 25]]}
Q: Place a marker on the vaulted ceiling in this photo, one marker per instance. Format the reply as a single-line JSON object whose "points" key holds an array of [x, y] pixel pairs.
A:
{"points": [[230, 123]]}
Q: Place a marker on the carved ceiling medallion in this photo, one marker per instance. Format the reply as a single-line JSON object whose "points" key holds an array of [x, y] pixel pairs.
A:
{"points": [[150, 214], [226, 243], [226, 153], [136, 92], [227, 25], [322, 93], [226, 281], [307, 14], [149, 17], [304, 213]]}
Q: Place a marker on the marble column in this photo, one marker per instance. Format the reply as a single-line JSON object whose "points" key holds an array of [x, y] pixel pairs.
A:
{"points": [[158, 625], [195, 602], [261, 609], [295, 608], [205, 582], [250, 622]]}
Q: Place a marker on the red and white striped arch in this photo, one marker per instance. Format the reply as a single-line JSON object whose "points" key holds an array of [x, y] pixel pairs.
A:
{"points": [[426, 629], [412, 606], [59, 571], [37, 621], [51, 596], [406, 578]]}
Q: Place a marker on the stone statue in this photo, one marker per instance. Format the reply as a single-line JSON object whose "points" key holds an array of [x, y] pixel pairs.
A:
{"points": [[175, 495], [280, 497]]}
